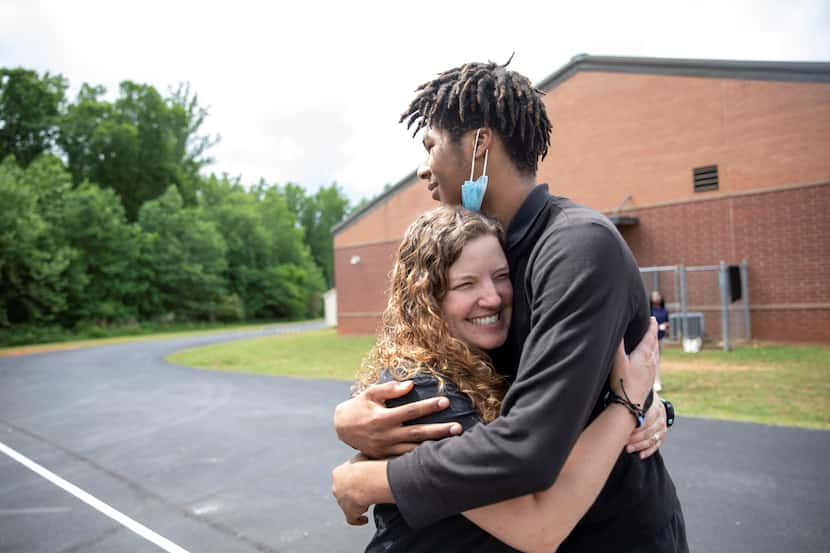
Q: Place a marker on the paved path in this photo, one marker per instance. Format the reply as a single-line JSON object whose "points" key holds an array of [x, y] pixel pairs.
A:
{"points": [[221, 462]]}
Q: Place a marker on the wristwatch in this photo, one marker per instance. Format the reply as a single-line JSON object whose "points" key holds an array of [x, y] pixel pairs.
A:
{"points": [[669, 412]]}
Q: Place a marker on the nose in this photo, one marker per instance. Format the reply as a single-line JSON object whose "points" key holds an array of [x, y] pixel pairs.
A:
{"points": [[424, 172], [490, 297]]}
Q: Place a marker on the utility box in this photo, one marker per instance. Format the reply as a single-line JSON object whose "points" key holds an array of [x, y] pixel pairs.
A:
{"points": [[694, 325]]}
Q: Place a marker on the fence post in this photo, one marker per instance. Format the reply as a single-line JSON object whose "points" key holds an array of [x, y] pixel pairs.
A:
{"points": [[723, 281], [681, 271], [745, 295]]}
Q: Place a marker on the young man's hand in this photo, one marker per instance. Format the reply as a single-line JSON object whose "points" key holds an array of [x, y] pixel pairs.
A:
{"points": [[365, 423]]}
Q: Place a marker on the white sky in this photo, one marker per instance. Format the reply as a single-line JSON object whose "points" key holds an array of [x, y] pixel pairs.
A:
{"points": [[310, 91]]}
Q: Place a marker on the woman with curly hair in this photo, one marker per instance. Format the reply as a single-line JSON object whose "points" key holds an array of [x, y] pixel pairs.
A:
{"points": [[449, 304]]}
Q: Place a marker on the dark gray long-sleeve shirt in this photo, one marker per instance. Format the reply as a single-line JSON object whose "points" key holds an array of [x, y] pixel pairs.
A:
{"points": [[577, 293]]}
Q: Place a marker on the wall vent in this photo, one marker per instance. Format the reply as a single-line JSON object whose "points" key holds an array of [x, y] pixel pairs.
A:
{"points": [[706, 178]]}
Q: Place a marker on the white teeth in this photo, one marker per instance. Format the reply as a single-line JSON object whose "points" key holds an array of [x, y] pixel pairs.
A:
{"points": [[481, 321]]}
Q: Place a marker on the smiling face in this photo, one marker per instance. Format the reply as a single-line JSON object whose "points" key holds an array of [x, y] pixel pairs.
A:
{"points": [[445, 168], [477, 304]]}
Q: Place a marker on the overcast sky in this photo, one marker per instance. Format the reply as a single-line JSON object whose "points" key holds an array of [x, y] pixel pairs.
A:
{"points": [[310, 91]]}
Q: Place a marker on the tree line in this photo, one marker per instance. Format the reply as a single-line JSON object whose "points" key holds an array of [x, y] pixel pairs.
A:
{"points": [[106, 216]]}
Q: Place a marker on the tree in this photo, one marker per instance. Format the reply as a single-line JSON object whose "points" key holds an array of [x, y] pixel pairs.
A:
{"points": [[291, 266], [109, 286], [29, 109], [185, 257], [32, 263], [138, 145], [317, 214], [269, 265], [329, 206]]}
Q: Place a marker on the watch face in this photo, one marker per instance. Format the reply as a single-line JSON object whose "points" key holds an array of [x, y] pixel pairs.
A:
{"points": [[669, 413]]}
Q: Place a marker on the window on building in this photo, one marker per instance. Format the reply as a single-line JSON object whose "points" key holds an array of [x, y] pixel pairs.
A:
{"points": [[705, 178]]}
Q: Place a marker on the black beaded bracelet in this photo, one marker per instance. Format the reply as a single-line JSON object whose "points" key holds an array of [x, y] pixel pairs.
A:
{"points": [[634, 408]]}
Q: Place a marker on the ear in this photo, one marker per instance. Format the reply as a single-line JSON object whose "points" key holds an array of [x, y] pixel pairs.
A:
{"points": [[485, 140]]}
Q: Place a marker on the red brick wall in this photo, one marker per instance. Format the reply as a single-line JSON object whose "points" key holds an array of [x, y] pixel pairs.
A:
{"points": [[388, 220], [361, 287], [785, 236], [620, 134], [792, 325]]}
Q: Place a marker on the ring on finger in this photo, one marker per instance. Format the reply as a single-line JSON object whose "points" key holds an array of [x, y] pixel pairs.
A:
{"points": [[656, 438]]}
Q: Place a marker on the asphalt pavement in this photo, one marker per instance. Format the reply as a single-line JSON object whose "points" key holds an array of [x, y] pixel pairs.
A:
{"points": [[225, 462]]}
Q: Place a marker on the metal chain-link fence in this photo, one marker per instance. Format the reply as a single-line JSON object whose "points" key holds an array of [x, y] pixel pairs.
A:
{"points": [[710, 302]]}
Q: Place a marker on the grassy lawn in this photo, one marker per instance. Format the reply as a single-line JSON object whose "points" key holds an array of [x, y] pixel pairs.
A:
{"points": [[771, 384], [782, 385], [316, 354], [135, 335]]}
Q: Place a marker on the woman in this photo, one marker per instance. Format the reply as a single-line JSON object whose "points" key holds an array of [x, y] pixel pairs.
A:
{"points": [[450, 301], [661, 314]]}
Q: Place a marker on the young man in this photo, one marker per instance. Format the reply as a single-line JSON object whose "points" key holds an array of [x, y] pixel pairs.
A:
{"points": [[577, 292]]}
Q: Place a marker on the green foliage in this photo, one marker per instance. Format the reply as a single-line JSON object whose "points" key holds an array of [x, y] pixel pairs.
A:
{"points": [[29, 110], [138, 145], [32, 262], [269, 266], [94, 225], [122, 228], [185, 256], [317, 215]]}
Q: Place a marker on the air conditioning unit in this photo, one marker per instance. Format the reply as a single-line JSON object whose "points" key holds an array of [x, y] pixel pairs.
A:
{"points": [[694, 325]]}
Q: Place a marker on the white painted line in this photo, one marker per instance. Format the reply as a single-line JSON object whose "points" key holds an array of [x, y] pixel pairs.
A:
{"points": [[93, 502]]}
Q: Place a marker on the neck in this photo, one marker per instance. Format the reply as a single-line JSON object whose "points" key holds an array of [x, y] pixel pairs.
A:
{"points": [[506, 191]]}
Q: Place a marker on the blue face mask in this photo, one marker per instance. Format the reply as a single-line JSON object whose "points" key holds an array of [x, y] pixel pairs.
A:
{"points": [[472, 191]]}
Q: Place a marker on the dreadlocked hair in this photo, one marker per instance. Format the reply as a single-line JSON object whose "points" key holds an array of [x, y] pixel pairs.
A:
{"points": [[478, 95], [414, 337]]}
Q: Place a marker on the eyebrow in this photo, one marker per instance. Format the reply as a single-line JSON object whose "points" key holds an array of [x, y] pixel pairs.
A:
{"points": [[463, 276]]}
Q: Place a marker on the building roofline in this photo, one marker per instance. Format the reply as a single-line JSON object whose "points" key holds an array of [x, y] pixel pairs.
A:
{"points": [[354, 217], [799, 71]]}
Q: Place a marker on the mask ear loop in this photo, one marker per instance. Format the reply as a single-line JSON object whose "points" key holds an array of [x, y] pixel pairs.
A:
{"points": [[473, 163]]}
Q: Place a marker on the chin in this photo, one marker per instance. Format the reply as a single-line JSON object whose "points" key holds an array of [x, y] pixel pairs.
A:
{"points": [[489, 342]]}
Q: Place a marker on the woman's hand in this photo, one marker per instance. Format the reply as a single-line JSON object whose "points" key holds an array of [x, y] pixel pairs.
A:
{"points": [[343, 488], [633, 376], [647, 439], [640, 368], [358, 484]]}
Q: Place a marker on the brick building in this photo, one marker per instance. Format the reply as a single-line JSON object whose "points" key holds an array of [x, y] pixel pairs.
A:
{"points": [[628, 135]]}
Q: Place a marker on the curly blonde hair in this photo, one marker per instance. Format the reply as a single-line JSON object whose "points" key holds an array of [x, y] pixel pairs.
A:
{"points": [[414, 338]]}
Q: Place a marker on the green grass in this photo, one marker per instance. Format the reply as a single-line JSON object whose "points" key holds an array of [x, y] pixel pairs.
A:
{"points": [[771, 384], [781, 385], [148, 331], [316, 354]]}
